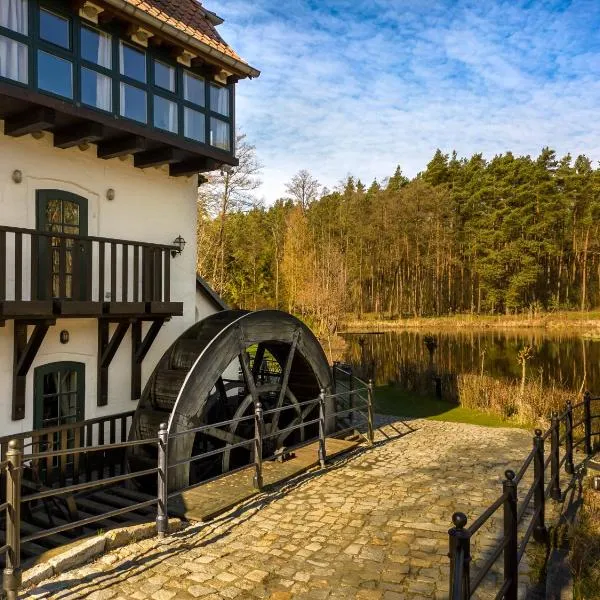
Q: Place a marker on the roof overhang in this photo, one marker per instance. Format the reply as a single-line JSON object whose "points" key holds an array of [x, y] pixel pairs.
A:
{"points": [[239, 67]]}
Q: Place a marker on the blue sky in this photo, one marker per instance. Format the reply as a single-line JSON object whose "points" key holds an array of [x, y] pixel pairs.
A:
{"points": [[361, 86]]}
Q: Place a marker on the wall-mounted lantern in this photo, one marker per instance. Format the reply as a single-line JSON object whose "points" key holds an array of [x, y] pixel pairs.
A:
{"points": [[64, 337], [179, 242], [110, 194], [17, 176]]}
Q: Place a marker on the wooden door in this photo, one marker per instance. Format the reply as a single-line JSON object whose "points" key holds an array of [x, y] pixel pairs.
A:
{"points": [[64, 262]]}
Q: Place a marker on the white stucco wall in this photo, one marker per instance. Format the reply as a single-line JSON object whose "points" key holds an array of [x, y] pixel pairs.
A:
{"points": [[149, 206]]}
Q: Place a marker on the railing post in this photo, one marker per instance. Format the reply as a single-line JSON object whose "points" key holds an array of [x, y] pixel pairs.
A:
{"points": [[162, 515], [587, 422], [555, 493], [370, 435], [11, 581], [511, 563], [258, 440], [569, 466], [460, 558], [322, 450], [540, 534], [334, 375]]}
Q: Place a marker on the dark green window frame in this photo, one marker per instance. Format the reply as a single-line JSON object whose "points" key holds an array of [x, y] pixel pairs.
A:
{"points": [[34, 43]]}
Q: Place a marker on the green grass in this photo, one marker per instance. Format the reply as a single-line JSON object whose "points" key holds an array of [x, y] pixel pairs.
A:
{"points": [[392, 401]]}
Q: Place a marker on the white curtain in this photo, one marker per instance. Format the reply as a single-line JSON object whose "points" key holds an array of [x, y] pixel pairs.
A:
{"points": [[172, 117], [104, 84], [13, 15], [220, 100], [219, 134], [13, 54]]}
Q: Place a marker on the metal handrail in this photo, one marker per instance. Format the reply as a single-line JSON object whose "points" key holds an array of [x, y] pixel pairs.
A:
{"points": [[476, 525], [85, 449], [209, 426], [487, 565], [297, 405], [191, 459], [525, 466]]}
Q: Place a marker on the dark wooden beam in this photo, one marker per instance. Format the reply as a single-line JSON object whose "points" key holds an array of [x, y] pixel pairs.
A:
{"points": [[129, 144], [38, 118], [158, 156], [80, 133], [107, 348], [25, 351], [139, 349], [193, 166]]}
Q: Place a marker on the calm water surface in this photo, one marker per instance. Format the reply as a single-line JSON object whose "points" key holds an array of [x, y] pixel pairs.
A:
{"points": [[567, 359]]}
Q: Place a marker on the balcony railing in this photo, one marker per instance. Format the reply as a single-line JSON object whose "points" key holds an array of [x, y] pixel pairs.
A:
{"points": [[68, 274]]}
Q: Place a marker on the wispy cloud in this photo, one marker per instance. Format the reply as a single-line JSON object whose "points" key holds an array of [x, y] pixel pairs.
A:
{"points": [[360, 86]]}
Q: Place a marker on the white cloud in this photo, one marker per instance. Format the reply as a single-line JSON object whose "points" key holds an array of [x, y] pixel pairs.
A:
{"points": [[358, 87]]}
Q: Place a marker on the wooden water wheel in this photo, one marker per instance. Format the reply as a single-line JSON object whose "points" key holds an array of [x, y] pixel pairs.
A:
{"points": [[216, 372]]}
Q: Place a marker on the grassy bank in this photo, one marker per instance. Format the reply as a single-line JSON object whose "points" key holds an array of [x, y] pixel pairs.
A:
{"points": [[390, 400], [555, 320]]}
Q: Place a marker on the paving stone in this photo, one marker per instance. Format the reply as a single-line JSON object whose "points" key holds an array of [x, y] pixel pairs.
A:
{"points": [[373, 528]]}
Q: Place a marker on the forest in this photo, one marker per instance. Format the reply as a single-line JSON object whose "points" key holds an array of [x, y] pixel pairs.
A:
{"points": [[465, 235]]}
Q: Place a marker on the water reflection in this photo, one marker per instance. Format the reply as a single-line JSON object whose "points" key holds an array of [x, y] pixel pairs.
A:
{"points": [[566, 359]]}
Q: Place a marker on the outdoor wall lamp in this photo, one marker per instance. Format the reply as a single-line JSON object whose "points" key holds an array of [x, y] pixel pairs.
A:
{"points": [[179, 242], [64, 337]]}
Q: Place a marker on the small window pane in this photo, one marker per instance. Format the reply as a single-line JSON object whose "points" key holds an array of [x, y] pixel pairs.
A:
{"points": [[14, 58], [193, 88], [164, 76], [194, 124], [96, 47], [165, 114], [96, 89], [55, 74], [219, 100], [55, 29], [133, 63], [133, 103], [13, 15], [219, 134]]}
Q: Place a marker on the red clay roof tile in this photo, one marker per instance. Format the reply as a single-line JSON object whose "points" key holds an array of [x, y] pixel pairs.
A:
{"points": [[187, 16]]}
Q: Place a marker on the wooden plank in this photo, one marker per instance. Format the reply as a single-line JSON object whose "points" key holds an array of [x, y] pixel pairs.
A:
{"points": [[101, 267], [124, 272], [113, 271], [2, 265], [79, 133], [157, 157], [136, 273], [18, 266], [112, 440], [31, 120], [167, 267], [129, 144]]}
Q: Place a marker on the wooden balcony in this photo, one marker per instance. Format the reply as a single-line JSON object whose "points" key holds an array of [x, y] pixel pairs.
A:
{"points": [[47, 275]]}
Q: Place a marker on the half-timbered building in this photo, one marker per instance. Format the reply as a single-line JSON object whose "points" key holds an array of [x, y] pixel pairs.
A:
{"points": [[110, 111]]}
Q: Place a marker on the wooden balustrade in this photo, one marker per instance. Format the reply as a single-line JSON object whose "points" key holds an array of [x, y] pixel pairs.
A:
{"points": [[37, 266]]}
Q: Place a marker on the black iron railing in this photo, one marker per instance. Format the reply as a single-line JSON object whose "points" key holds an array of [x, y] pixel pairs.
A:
{"points": [[315, 412], [546, 484], [39, 265]]}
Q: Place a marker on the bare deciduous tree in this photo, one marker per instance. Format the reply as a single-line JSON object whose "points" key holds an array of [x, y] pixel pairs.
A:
{"points": [[303, 189]]}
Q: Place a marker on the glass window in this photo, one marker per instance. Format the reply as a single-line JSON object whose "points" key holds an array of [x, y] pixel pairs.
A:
{"points": [[133, 103], [13, 60], [193, 88], [165, 114], [55, 29], [164, 76], [13, 15], [96, 89], [133, 63], [219, 100], [55, 74], [96, 47], [194, 124], [219, 134]]}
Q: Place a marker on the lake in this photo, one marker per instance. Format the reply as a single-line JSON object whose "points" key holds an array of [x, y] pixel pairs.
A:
{"points": [[566, 359]]}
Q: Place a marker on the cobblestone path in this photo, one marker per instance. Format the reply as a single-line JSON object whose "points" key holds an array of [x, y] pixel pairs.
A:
{"points": [[372, 526]]}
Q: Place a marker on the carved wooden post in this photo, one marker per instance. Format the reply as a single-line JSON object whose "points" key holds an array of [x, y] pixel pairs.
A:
{"points": [[555, 493], [162, 516], [569, 466], [11, 581], [258, 440], [511, 563], [460, 558], [540, 533], [322, 449]]}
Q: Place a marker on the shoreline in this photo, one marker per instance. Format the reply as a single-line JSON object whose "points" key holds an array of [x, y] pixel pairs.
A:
{"points": [[575, 321]]}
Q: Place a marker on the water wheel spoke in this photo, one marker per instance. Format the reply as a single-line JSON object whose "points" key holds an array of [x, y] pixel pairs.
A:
{"points": [[301, 416], [220, 385], [240, 412], [225, 436], [258, 359], [284, 380]]}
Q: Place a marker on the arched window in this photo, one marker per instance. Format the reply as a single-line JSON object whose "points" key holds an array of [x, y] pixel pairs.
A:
{"points": [[62, 272], [59, 394]]}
